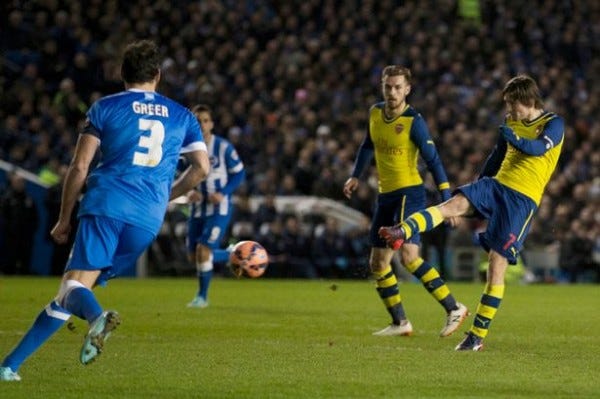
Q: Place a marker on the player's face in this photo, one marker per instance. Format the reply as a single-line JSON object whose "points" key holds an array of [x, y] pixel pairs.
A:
{"points": [[517, 110], [395, 89], [206, 122]]}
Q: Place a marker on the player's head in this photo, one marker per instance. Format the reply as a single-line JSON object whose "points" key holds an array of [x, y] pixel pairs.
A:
{"points": [[522, 91], [141, 62], [395, 85], [203, 113]]}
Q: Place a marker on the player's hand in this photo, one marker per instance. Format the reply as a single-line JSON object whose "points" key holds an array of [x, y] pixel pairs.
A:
{"points": [[350, 186], [454, 221], [215, 198], [194, 196], [60, 231], [508, 134]]}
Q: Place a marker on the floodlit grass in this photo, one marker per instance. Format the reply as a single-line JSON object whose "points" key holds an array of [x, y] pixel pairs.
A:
{"points": [[306, 339]]}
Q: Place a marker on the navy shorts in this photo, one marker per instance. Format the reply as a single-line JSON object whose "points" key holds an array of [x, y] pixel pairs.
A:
{"points": [[395, 206], [508, 212]]}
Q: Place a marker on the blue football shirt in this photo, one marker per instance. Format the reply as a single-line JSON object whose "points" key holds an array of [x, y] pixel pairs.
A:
{"points": [[141, 136], [224, 164]]}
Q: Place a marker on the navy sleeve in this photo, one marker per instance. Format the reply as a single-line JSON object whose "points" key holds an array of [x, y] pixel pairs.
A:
{"points": [[364, 157], [92, 123], [89, 128], [494, 160], [552, 135], [419, 134]]}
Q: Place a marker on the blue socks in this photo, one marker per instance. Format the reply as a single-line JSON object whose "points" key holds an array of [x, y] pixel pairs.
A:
{"points": [[79, 300], [82, 303], [204, 282], [45, 325]]}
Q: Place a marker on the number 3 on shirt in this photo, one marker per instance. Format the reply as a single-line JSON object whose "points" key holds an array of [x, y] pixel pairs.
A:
{"points": [[153, 143]]}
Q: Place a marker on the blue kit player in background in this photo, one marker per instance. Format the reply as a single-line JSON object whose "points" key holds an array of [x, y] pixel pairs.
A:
{"points": [[211, 205], [140, 135], [507, 195], [397, 135]]}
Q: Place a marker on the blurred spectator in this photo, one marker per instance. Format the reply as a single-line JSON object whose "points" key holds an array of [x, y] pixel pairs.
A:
{"points": [[68, 102], [576, 253], [304, 172], [19, 223], [271, 237], [288, 185], [330, 251], [297, 249], [50, 173], [243, 219], [266, 212], [60, 252], [359, 249]]}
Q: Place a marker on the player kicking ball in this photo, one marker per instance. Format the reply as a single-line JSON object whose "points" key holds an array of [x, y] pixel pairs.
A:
{"points": [[507, 195]]}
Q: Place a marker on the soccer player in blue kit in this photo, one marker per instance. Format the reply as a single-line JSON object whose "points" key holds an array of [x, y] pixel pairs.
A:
{"points": [[211, 205], [140, 134], [507, 195]]}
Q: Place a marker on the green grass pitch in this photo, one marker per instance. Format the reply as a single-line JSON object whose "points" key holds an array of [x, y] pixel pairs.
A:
{"points": [[306, 339]]}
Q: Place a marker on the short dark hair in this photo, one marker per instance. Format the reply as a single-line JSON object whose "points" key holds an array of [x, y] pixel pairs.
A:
{"points": [[141, 62], [397, 70], [522, 88], [201, 108]]}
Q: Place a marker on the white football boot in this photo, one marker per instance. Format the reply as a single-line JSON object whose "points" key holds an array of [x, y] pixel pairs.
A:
{"points": [[403, 329], [454, 319]]}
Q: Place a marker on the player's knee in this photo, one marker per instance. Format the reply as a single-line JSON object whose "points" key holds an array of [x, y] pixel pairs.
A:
{"points": [[205, 266], [497, 268], [409, 253], [377, 265], [407, 259], [202, 252], [458, 205], [65, 288]]}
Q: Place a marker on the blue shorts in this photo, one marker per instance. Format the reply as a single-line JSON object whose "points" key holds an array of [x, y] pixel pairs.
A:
{"points": [[508, 212], [395, 206], [109, 245], [207, 230]]}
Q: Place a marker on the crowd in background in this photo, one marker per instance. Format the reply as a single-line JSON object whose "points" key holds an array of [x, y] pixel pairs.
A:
{"points": [[290, 84]]}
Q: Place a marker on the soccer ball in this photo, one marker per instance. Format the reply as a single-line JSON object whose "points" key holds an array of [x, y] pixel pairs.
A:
{"points": [[248, 258]]}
